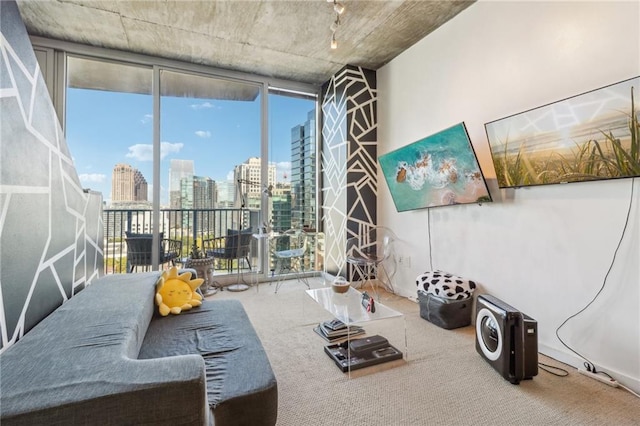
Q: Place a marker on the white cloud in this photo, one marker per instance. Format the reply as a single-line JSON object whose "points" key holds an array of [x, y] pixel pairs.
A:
{"points": [[167, 148], [230, 175], [203, 133], [92, 177], [141, 152], [202, 105], [147, 118], [144, 152]]}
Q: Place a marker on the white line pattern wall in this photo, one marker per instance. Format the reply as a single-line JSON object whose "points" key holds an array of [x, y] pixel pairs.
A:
{"points": [[349, 160], [50, 229]]}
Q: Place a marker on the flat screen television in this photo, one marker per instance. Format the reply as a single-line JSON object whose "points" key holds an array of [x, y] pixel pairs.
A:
{"points": [[439, 170], [591, 136]]}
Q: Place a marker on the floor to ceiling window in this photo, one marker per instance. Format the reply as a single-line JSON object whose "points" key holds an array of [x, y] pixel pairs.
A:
{"points": [[108, 123], [230, 157], [292, 150], [109, 133], [210, 158]]}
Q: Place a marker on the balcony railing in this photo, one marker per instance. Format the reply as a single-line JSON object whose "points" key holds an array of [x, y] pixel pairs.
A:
{"points": [[188, 226]]}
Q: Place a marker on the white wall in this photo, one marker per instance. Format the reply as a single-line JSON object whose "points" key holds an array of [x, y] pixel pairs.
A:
{"points": [[545, 250]]}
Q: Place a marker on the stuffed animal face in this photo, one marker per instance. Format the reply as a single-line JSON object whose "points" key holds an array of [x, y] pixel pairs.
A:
{"points": [[176, 293]]}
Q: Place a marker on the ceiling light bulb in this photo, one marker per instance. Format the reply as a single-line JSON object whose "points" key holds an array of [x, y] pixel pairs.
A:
{"points": [[338, 7], [334, 26], [334, 42]]}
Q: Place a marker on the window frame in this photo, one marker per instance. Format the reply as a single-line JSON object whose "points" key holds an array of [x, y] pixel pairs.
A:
{"points": [[55, 75]]}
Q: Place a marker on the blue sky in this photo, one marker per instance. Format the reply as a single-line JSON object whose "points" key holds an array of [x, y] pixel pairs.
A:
{"points": [[106, 128]]}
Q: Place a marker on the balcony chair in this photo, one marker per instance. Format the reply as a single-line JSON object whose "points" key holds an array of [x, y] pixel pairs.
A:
{"points": [[289, 249], [367, 253], [139, 250], [234, 246]]}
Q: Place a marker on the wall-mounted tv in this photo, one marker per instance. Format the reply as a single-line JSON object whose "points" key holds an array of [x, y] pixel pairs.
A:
{"points": [[591, 136], [439, 170]]}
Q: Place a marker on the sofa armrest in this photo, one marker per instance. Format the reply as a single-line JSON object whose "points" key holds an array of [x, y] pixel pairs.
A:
{"points": [[80, 364], [161, 391]]}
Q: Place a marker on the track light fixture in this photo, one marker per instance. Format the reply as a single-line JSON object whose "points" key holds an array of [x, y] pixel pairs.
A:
{"points": [[338, 8]]}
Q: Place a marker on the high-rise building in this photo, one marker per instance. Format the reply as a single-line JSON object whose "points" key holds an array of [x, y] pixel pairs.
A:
{"points": [[226, 194], [140, 188], [280, 207], [303, 173], [127, 184], [178, 170], [247, 179], [197, 192]]}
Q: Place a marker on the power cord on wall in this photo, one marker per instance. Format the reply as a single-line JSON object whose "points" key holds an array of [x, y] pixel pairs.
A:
{"points": [[429, 233], [588, 365]]}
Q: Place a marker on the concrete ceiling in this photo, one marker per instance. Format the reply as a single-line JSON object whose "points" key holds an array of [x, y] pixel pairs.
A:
{"points": [[283, 39]]}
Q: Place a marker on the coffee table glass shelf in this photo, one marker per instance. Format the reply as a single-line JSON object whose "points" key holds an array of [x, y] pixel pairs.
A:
{"points": [[347, 307]]}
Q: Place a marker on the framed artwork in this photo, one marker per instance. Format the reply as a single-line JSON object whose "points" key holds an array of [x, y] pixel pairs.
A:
{"points": [[439, 170], [592, 136]]}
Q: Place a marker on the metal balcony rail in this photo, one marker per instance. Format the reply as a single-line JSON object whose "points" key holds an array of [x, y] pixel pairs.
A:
{"points": [[187, 226]]}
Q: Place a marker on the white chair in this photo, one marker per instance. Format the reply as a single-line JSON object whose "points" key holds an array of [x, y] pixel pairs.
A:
{"points": [[289, 250], [368, 253]]}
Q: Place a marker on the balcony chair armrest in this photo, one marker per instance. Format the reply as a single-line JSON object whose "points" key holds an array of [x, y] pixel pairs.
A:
{"points": [[172, 247], [210, 244]]}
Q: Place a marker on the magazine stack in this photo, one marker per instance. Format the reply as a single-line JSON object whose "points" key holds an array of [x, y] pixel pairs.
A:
{"points": [[335, 330]]}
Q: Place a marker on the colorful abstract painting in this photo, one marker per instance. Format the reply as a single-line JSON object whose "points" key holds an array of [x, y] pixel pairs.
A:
{"points": [[439, 170]]}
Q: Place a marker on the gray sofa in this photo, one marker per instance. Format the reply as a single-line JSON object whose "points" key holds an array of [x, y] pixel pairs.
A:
{"points": [[107, 357]]}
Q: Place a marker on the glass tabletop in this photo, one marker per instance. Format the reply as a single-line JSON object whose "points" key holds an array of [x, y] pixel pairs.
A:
{"points": [[347, 307]]}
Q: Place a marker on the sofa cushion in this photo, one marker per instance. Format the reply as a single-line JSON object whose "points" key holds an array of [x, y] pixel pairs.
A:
{"points": [[241, 386]]}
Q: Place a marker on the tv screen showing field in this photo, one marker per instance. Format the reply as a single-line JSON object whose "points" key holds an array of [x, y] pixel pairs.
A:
{"points": [[592, 136]]}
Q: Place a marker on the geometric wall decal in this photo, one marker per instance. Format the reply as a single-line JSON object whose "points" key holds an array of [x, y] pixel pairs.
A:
{"points": [[50, 228], [349, 161]]}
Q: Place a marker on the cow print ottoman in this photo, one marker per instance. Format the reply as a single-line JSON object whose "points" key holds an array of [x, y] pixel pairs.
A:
{"points": [[445, 285], [445, 299]]}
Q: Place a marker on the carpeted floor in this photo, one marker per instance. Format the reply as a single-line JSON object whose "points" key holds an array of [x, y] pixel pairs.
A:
{"points": [[443, 382]]}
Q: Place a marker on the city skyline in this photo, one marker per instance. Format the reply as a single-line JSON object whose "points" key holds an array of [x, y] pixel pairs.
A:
{"points": [[138, 178], [106, 128], [244, 188]]}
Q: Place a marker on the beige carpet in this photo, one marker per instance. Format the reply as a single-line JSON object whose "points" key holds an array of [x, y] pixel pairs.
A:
{"points": [[444, 381]]}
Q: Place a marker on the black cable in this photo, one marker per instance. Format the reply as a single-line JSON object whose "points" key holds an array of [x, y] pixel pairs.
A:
{"points": [[588, 364], [429, 231], [590, 367], [560, 372]]}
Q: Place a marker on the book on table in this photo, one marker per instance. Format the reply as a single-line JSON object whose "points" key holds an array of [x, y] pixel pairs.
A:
{"points": [[336, 330]]}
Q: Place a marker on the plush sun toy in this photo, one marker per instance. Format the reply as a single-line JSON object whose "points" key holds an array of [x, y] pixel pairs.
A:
{"points": [[176, 293]]}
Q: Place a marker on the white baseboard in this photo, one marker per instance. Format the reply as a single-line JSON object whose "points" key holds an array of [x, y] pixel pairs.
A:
{"points": [[632, 383]]}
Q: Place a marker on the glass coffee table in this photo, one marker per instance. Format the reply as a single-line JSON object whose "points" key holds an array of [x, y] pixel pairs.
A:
{"points": [[347, 307]]}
